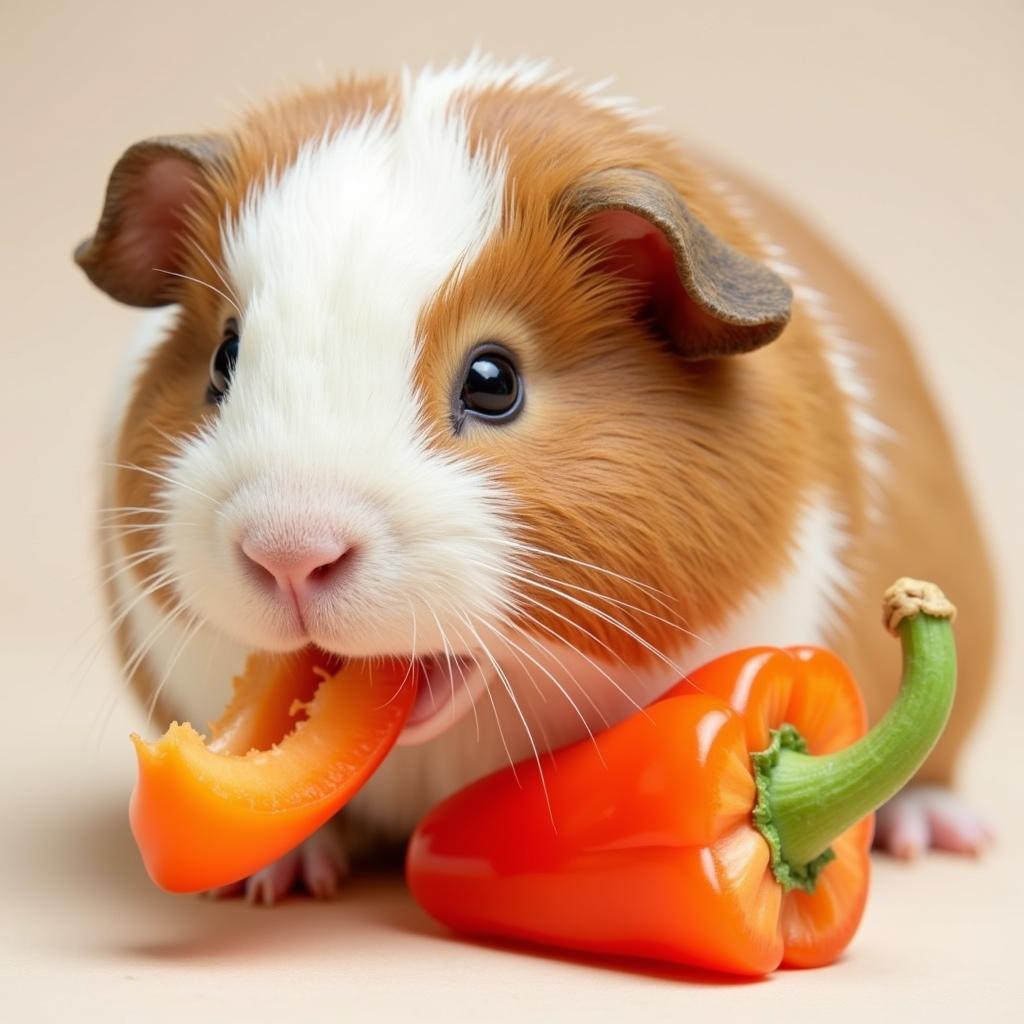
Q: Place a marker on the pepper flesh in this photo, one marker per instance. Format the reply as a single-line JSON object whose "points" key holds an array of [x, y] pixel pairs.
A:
{"points": [[643, 842], [292, 747]]}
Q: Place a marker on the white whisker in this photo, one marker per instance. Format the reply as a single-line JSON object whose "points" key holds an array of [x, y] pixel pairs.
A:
{"points": [[123, 511], [199, 281], [192, 627], [581, 628], [494, 708], [132, 664], [140, 652], [512, 624], [179, 444], [162, 476], [516, 648], [519, 711], [409, 667], [160, 579], [625, 605], [538, 722], [451, 675], [143, 527], [590, 661], [520, 597], [216, 269], [520, 545], [604, 616], [130, 563], [130, 557]]}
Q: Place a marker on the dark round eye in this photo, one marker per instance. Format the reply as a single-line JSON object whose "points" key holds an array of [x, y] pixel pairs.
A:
{"points": [[222, 365], [491, 389]]}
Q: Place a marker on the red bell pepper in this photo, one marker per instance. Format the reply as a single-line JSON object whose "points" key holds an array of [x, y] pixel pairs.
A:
{"points": [[728, 826]]}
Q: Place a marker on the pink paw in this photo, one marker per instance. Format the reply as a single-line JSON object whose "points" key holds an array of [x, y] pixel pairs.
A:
{"points": [[317, 866], [929, 817]]}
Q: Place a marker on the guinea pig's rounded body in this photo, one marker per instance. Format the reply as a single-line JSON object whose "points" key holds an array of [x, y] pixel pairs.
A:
{"points": [[472, 367]]}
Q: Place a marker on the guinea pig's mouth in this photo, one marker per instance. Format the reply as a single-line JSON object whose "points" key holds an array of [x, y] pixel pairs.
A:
{"points": [[449, 687]]}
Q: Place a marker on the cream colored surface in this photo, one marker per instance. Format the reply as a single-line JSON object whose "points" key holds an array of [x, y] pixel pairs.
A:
{"points": [[895, 125]]}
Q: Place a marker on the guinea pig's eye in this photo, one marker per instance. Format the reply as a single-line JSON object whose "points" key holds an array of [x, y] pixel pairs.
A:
{"points": [[491, 389], [222, 365]]}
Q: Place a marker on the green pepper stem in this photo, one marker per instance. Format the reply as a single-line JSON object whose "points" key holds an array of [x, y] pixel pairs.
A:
{"points": [[809, 800]]}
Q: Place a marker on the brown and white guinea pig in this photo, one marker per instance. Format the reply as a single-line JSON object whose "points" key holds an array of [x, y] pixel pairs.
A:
{"points": [[472, 365]]}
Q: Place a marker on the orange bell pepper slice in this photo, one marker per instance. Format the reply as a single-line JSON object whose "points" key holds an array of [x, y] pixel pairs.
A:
{"points": [[726, 827], [293, 746]]}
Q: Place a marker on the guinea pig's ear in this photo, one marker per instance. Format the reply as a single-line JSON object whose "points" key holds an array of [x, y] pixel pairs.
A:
{"points": [[705, 297], [144, 215]]}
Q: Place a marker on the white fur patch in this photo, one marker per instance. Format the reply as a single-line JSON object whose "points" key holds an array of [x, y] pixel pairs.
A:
{"points": [[333, 260], [843, 356], [801, 607]]}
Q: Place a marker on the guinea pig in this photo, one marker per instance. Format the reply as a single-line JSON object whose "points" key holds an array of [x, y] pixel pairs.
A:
{"points": [[474, 366]]}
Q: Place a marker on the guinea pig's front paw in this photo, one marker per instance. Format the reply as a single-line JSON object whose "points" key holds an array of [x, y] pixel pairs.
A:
{"points": [[317, 866], [926, 817]]}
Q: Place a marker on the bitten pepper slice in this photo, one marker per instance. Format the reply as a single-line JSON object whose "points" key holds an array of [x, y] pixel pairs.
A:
{"points": [[292, 747], [699, 831]]}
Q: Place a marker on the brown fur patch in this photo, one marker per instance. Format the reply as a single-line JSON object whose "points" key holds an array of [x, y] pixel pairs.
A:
{"points": [[688, 477]]}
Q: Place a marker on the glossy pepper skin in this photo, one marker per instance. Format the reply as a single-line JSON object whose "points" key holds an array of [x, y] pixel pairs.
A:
{"points": [[649, 849], [643, 842]]}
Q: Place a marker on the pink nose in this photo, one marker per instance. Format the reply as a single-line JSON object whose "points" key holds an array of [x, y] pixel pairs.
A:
{"points": [[298, 571]]}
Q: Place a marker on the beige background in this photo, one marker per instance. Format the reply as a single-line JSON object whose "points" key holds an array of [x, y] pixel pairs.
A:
{"points": [[896, 126]]}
